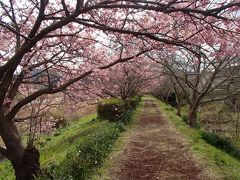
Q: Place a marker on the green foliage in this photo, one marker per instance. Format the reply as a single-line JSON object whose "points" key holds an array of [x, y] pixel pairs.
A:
{"points": [[222, 143], [111, 109], [88, 154], [185, 118], [117, 110], [169, 108], [102, 172], [6, 170], [133, 102]]}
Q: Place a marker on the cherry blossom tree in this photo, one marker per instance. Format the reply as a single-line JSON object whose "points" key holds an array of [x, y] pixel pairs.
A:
{"points": [[202, 79], [66, 42], [133, 79], [168, 91]]}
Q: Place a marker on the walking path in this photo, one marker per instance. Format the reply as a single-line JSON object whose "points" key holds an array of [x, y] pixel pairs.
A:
{"points": [[155, 150]]}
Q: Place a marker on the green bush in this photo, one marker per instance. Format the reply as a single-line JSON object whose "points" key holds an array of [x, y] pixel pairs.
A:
{"points": [[133, 102], [89, 154], [111, 109], [222, 143], [117, 109], [185, 118]]}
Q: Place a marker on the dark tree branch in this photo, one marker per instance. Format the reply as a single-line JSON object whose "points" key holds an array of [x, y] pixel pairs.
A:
{"points": [[49, 90]]}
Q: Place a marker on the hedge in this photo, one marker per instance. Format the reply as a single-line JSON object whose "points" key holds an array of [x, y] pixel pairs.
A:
{"points": [[116, 109]]}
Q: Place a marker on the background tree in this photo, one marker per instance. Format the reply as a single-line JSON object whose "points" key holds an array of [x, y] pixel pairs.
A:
{"points": [[132, 80], [202, 79], [169, 91]]}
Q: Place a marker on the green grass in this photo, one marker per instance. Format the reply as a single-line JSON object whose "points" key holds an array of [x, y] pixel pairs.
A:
{"points": [[217, 161], [74, 151], [56, 147], [87, 155], [6, 171], [222, 143]]}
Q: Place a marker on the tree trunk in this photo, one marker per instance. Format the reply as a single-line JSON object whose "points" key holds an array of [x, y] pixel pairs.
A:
{"points": [[192, 116], [29, 167], [179, 112], [24, 161], [179, 104]]}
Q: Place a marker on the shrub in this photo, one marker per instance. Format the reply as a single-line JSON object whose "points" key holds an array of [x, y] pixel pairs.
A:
{"points": [[185, 118], [133, 102], [111, 109], [116, 109], [89, 153], [222, 143]]}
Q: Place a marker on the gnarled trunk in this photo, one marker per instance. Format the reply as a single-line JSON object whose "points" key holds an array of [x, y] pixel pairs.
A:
{"points": [[29, 167], [24, 161]]}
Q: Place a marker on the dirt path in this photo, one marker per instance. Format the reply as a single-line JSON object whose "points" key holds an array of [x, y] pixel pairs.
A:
{"points": [[155, 150]]}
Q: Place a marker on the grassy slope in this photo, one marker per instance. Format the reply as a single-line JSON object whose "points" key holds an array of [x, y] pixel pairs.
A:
{"points": [[217, 161], [58, 146], [56, 149]]}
